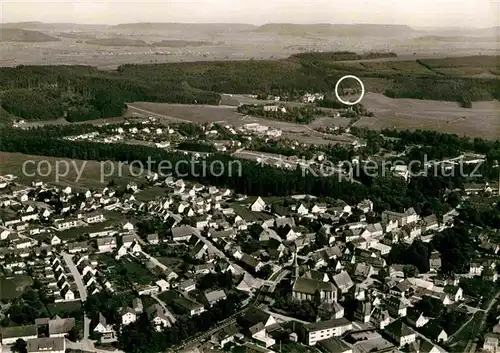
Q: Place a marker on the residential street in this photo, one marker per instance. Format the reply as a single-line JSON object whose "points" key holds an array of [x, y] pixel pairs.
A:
{"points": [[81, 289], [483, 322]]}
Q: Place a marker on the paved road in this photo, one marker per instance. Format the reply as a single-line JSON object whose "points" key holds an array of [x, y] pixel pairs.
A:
{"points": [[81, 289], [483, 322], [168, 314], [76, 275]]}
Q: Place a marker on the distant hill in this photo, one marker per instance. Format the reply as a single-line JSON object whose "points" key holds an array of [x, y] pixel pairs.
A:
{"points": [[454, 39], [55, 26], [340, 30], [173, 43], [117, 42], [172, 26], [22, 35], [76, 35], [469, 32]]}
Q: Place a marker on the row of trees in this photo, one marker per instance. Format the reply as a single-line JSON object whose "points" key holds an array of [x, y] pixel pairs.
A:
{"points": [[462, 90], [300, 115]]}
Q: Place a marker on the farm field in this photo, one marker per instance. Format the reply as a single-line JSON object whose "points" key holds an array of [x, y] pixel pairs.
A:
{"points": [[12, 163], [482, 120]]}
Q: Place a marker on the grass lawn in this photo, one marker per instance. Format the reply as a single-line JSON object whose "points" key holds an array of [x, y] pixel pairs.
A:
{"points": [[147, 301], [64, 307], [112, 269], [171, 262], [125, 269], [135, 272], [168, 296], [150, 193], [90, 178], [11, 288]]}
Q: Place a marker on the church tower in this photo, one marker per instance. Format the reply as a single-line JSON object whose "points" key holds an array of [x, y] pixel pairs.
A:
{"points": [[295, 273]]}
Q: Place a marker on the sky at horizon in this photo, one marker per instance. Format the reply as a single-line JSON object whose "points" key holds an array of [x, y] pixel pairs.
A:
{"points": [[415, 13]]}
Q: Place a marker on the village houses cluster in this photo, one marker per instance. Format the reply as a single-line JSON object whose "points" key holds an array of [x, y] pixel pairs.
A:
{"points": [[70, 241]]}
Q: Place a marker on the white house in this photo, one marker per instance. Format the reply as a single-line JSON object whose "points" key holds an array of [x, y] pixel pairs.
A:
{"points": [[323, 330], [55, 240], [128, 316], [163, 285], [259, 205], [106, 244]]}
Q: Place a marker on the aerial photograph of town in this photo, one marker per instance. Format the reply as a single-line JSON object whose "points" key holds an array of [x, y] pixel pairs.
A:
{"points": [[235, 176]]}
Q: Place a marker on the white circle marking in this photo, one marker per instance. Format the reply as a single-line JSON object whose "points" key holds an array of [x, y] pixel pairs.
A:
{"points": [[362, 90]]}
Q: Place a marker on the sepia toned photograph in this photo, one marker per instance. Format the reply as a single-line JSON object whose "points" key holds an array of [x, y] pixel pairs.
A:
{"points": [[236, 176]]}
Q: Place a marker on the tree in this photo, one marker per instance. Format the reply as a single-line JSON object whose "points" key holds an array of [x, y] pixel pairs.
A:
{"points": [[410, 271], [19, 346], [429, 306], [265, 271], [317, 298], [321, 238]]}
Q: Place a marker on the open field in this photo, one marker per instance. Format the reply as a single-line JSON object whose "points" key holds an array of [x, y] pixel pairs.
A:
{"points": [[482, 120], [13, 287], [77, 44], [64, 307], [90, 177]]}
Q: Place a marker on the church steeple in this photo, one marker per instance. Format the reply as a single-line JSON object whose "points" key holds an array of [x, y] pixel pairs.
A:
{"points": [[295, 267]]}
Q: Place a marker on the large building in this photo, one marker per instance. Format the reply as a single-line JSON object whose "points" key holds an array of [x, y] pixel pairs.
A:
{"points": [[308, 288], [322, 330], [46, 345]]}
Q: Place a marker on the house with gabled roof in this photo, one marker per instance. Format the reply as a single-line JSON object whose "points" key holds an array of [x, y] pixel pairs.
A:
{"points": [[59, 327], [158, 317], [255, 323], [416, 318], [306, 288], [183, 233], [400, 333], [258, 205], [343, 281], [128, 315], [188, 306], [101, 326], [435, 332], [215, 296], [10, 335]]}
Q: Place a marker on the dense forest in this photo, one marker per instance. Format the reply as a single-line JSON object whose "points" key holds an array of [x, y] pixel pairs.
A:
{"points": [[341, 56], [83, 93]]}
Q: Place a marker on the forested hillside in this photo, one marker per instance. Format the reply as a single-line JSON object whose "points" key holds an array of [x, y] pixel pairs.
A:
{"points": [[83, 93]]}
